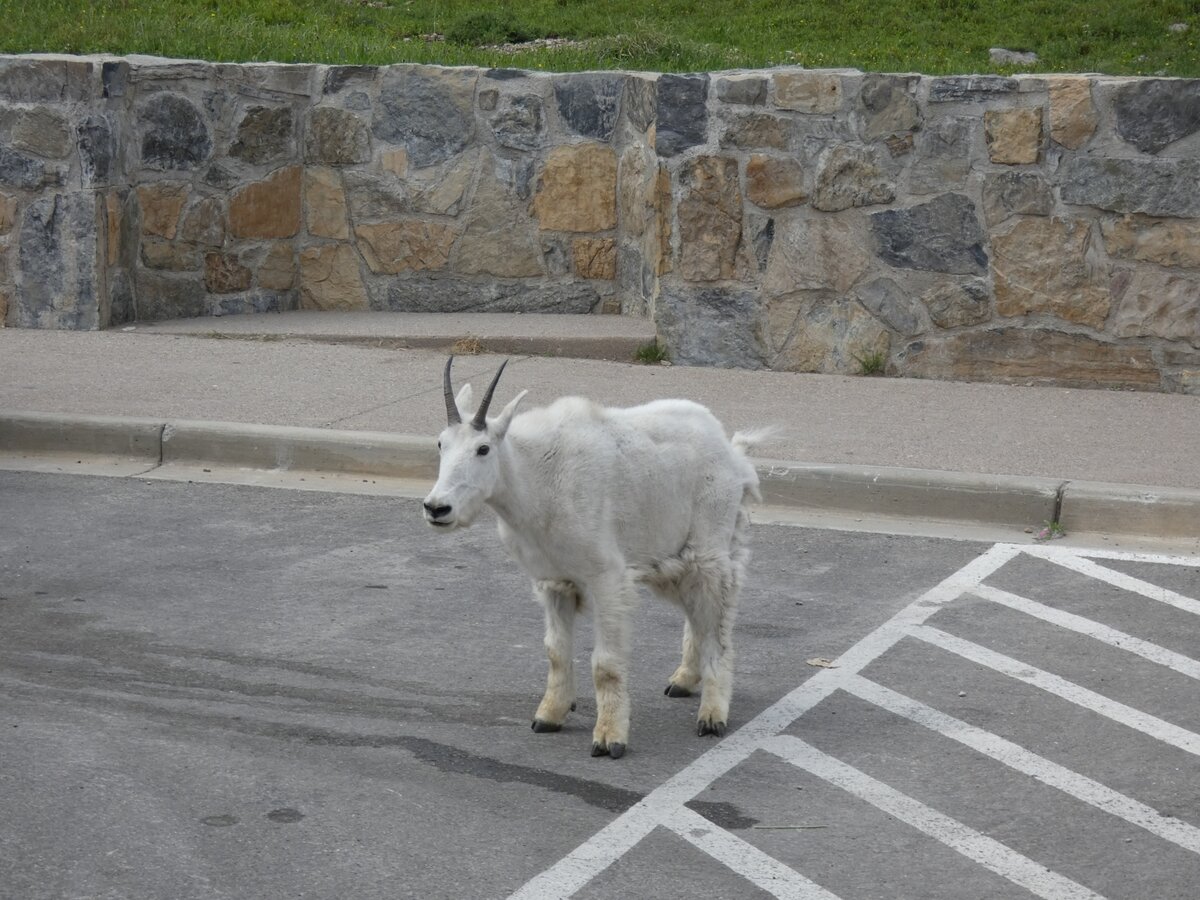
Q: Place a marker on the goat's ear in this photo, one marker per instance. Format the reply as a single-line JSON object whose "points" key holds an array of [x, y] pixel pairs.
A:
{"points": [[499, 425], [463, 402]]}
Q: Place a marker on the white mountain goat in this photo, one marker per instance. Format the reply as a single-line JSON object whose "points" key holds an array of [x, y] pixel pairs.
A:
{"points": [[592, 500]]}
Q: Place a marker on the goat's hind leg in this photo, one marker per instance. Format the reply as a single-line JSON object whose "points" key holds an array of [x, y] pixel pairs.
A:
{"points": [[560, 600], [687, 677], [711, 612], [612, 602]]}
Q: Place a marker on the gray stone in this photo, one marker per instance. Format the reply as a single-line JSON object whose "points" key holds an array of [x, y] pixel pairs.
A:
{"points": [[519, 122], [971, 88], [425, 294], [888, 105], [258, 301], [264, 135], [166, 295], [682, 104], [336, 137], [943, 235], [339, 77], [505, 74], [488, 99], [428, 110], [639, 104], [1153, 114], [587, 103], [114, 79], [31, 81], [744, 90], [57, 250], [359, 101], [893, 306], [849, 176], [1015, 193], [373, 198], [19, 170], [755, 131], [1157, 187], [953, 304], [709, 326], [122, 306], [174, 134], [820, 331], [97, 149], [42, 132], [942, 156]]}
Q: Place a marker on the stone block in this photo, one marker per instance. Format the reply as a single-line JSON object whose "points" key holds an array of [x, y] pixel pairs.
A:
{"points": [[204, 224], [850, 176], [709, 326], [588, 103], [1008, 194], [1073, 117], [325, 201], [336, 137], [1152, 114], [164, 295], [820, 331], [1026, 355], [681, 103], [97, 142], [1045, 266], [1014, 136], [500, 239], [8, 213], [594, 258], [519, 122], [265, 134], [371, 197], [942, 155], [269, 208], [426, 109], [577, 189], [277, 271], [330, 278], [20, 170], [888, 105], [1168, 242], [1160, 304], [394, 247], [954, 304], [894, 306], [639, 107], [1156, 187], [710, 219], [42, 131], [742, 90], [159, 254], [773, 182], [422, 293], [161, 204], [942, 235], [224, 274], [59, 260], [808, 91], [971, 88], [754, 131], [338, 78], [817, 253], [174, 133]]}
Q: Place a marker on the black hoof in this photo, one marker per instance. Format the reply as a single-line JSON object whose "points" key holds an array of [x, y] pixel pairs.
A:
{"points": [[674, 690], [541, 726], [572, 707], [709, 727], [615, 750], [599, 749]]}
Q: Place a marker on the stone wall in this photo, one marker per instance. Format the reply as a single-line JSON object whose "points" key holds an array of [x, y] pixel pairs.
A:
{"points": [[1029, 229]]}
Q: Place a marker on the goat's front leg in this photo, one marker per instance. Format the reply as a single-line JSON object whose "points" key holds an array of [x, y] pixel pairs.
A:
{"points": [[612, 602], [560, 600]]}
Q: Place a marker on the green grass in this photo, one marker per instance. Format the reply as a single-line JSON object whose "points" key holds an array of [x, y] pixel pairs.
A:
{"points": [[872, 363], [931, 36], [652, 353]]}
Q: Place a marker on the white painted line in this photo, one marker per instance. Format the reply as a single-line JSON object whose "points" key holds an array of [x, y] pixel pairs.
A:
{"points": [[1120, 579], [980, 848], [760, 869], [1050, 551], [1184, 665], [593, 856], [1144, 722], [1017, 757]]}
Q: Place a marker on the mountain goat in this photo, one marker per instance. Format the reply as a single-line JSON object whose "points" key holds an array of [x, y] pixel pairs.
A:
{"points": [[592, 500]]}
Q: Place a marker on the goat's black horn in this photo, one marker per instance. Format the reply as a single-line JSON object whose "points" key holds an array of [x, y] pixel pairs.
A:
{"points": [[479, 423], [451, 406]]}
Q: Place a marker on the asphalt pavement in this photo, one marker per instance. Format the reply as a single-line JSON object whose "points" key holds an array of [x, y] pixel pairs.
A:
{"points": [[361, 396]]}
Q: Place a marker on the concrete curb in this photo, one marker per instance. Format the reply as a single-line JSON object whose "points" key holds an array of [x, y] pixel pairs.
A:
{"points": [[929, 495]]}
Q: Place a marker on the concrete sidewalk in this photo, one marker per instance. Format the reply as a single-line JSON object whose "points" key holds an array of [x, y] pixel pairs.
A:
{"points": [[329, 395]]}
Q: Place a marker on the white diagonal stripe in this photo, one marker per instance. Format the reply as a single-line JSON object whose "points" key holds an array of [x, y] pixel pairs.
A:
{"points": [[1118, 579]]}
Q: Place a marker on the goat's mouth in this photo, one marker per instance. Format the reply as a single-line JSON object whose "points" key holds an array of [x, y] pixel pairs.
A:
{"points": [[441, 523]]}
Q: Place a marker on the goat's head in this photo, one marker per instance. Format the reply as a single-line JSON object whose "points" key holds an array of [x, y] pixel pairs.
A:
{"points": [[470, 448]]}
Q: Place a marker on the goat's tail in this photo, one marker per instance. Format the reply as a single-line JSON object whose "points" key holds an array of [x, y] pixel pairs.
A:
{"points": [[745, 441]]}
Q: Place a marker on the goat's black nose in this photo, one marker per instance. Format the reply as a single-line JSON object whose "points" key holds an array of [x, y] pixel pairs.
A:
{"points": [[437, 512]]}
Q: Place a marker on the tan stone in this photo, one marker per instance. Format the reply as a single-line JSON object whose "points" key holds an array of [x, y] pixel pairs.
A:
{"points": [[1168, 242], [394, 161], [1023, 355], [808, 92], [223, 274], [8, 213], [710, 219], [1014, 136], [160, 254], [1160, 304], [577, 190], [445, 196], [278, 269], [773, 183], [662, 222], [823, 252], [595, 257], [161, 204], [114, 215], [817, 331], [269, 208], [204, 224], [1073, 116], [1045, 266], [326, 202], [500, 238], [634, 190], [394, 247], [330, 278]]}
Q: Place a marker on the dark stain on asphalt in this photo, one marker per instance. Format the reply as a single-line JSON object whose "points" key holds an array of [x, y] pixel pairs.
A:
{"points": [[725, 815], [285, 815], [220, 821]]}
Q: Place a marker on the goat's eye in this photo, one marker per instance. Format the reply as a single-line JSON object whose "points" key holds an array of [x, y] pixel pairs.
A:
{"points": [[483, 449]]}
